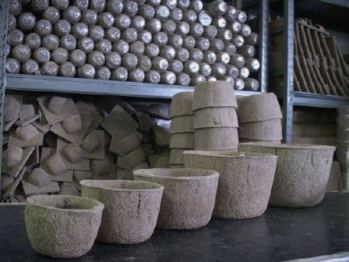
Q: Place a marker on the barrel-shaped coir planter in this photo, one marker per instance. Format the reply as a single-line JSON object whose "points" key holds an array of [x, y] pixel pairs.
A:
{"points": [[301, 175], [216, 138], [62, 226], [182, 124], [182, 104], [245, 180], [216, 117], [214, 94], [262, 130], [259, 108], [131, 208], [189, 195]]}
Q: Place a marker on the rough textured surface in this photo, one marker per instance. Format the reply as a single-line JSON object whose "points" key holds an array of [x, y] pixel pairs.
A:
{"points": [[189, 196], [259, 108], [301, 175], [182, 124], [62, 226], [182, 104], [176, 156], [125, 145], [131, 209], [185, 140], [335, 182], [216, 117], [216, 138], [263, 130], [245, 180], [246, 140], [214, 94]]}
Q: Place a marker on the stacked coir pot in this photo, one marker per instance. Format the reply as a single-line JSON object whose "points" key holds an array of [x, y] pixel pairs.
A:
{"points": [[343, 142], [260, 119], [215, 117], [182, 131]]}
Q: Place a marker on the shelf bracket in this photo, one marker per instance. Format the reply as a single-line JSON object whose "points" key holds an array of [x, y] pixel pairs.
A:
{"points": [[263, 43], [288, 89], [4, 11]]}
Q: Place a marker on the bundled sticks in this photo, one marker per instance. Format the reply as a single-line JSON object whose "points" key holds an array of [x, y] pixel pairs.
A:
{"points": [[170, 42]]}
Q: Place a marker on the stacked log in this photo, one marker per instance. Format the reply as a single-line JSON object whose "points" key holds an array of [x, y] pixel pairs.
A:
{"points": [[174, 42]]}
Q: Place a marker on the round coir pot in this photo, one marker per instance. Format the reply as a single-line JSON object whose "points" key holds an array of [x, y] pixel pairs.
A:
{"points": [[131, 209], [189, 195], [301, 175], [62, 226], [245, 180]]}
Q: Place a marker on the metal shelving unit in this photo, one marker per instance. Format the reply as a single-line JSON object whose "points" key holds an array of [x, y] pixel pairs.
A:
{"points": [[290, 97], [112, 88]]}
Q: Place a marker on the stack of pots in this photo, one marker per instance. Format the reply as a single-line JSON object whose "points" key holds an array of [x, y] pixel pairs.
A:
{"points": [[182, 131], [260, 119], [215, 117], [343, 142]]}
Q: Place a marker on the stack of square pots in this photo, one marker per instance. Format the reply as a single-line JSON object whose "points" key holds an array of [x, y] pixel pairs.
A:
{"points": [[182, 131], [260, 119], [342, 151], [215, 117]]}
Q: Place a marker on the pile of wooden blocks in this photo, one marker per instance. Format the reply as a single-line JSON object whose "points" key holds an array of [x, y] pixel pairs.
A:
{"points": [[319, 66], [53, 142]]}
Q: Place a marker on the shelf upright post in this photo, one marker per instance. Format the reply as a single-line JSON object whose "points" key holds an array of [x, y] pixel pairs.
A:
{"points": [[4, 12], [288, 90], [263, 43]]}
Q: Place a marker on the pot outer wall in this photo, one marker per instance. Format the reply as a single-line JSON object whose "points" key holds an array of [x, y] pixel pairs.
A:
{"points": [[244, 185], [129, 217], [301, 175]]}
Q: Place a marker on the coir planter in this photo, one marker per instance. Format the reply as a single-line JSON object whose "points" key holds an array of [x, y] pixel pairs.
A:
{"points": [[245, 180], [301, 175], [131, 209], [189, 195], [62, 226]]}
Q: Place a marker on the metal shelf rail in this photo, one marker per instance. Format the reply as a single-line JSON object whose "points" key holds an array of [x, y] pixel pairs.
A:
{"points": [[38, 83], [290, 97]]}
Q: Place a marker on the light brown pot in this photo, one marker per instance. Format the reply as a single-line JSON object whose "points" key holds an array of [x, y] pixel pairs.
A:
{"points": [[181, 104], [131, 209], [214, 94], [301, 175], [62, 226], [189, 195], [263, 130], [245, 180], [216, 138], [185, 140], [176, 156], [216, 117], [246, 140], [259, 108], [182, 124]]}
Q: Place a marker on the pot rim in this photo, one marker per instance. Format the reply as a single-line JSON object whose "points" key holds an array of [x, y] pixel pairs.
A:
{"points": [[150, 173], [92, 183], [97, 206], [228, 154], [289, 146]]}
